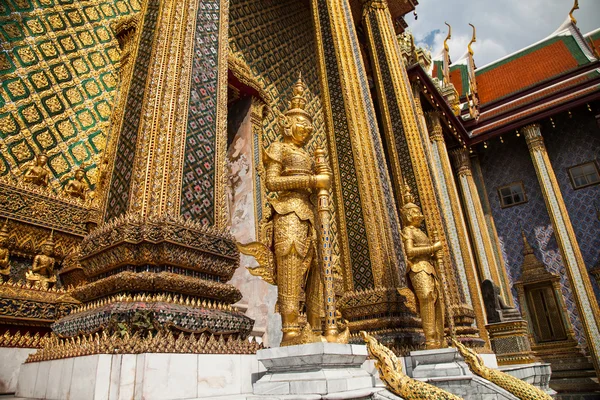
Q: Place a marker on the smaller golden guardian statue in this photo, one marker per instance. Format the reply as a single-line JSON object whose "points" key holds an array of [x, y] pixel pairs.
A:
{"points": [[36, 172], [42, 272], [299, 262], [4, 253], [76, 187], [420, 252]]}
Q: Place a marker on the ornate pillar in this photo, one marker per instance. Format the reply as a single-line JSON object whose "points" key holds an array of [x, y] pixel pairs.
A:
{"points": [[406, 147], [482, 242], [369, 227], [587, 304], [455, 221], [163, 255]]}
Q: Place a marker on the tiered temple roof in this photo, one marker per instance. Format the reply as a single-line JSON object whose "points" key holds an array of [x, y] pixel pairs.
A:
{"points": [[558, 72]]}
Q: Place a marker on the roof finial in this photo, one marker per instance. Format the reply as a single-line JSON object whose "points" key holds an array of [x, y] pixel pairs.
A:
{"points": [[473, 39], [575, 7], [446, 59], [449, 36]]}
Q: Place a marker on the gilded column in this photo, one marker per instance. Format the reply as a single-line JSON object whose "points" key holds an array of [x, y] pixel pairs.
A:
{"points": [[565, 236], [369, 226], [455, 221], [482, 241], [405, 144], [163, 244]]}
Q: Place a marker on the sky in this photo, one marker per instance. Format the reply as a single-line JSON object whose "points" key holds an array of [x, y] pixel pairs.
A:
{"points": [[503, 26]]}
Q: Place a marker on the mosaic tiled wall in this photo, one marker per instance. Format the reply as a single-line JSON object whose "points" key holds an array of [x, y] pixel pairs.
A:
{"points": [[58, 79], [198, 196], [384, 177], [276, 40], [576, 140], [121, 179], [502, 164], [362, 273]]}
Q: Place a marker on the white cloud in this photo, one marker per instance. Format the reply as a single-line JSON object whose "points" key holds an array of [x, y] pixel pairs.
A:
{"points": [[503, 26]]}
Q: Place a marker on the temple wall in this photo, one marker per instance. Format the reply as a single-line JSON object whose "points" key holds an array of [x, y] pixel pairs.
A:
{"points": [[576, 140], [59, 75], [259, 297], [205, 122], [502, 164]]}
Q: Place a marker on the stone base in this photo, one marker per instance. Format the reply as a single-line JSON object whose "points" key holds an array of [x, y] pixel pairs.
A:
{"points": [[316, 369], [446, 369], [139, 376], [510, 342], [537, 374], [12, 358]]}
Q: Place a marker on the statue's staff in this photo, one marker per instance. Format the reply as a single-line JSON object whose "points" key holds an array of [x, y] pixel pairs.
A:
{"points": [[324, 218], [439, 257]]}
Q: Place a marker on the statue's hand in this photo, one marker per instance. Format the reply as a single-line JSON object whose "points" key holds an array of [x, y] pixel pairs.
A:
{"points": [[323, 181], [437, 246]]}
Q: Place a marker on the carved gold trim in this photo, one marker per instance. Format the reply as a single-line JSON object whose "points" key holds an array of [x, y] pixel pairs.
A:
{"points": [[55, 348], [220, 202], [25, 340], [116, 119]]}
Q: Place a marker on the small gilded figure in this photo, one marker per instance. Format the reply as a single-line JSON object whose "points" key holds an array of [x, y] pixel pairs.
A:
{"points": [[292, 258], [37, 173], [77, 187], [420, 252], [4, 253], [42, 272]]}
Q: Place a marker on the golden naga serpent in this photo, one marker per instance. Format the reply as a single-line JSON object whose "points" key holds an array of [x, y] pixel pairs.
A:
{"points": [[390, 372]]}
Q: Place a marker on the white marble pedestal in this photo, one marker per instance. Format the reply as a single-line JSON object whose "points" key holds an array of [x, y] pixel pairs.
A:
{"points": [[317, 370], [140, 376], [11, 359]]}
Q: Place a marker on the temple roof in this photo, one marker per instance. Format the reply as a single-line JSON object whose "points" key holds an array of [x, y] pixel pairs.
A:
{"points": [[529, 67], [559, 71]]}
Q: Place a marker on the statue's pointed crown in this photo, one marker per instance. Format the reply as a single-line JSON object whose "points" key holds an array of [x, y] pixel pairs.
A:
{"points": [[298, 102], [49, 240], [408, 199]]}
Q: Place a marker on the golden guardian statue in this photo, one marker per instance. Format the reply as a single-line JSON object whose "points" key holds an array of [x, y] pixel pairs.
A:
{"points": [[420, 252], [299, 259]]}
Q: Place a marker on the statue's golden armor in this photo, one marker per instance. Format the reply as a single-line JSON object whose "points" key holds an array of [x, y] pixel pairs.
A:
{"points": [[292, 262], [422, 274]]}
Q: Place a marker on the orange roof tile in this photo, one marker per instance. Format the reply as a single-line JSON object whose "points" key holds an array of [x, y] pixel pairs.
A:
{"points": [[532, 66]]}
